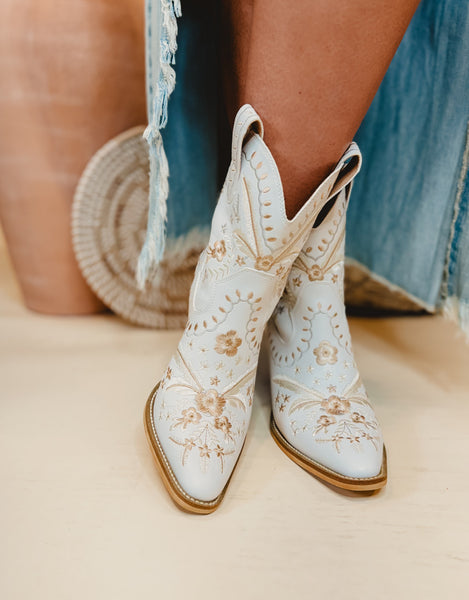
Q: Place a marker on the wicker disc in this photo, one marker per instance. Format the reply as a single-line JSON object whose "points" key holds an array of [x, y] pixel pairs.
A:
{"points": [[108, 227]]}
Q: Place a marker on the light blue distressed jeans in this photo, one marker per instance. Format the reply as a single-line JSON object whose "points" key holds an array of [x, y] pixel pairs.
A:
{"points": [[408, 217]]}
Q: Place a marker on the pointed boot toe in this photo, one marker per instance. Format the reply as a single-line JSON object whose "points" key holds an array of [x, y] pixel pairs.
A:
{"points": [[192, 490]]}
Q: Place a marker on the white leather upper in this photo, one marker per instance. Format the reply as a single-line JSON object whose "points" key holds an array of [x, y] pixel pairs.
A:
{"points": [[203, 406], [319, 402]]}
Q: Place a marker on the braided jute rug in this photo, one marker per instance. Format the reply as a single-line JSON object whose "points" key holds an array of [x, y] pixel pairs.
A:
{"points": [[108, 227]]}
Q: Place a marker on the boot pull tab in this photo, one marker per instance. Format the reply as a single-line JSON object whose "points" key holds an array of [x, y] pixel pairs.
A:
{"points": [[246, 119], [348, 166]]}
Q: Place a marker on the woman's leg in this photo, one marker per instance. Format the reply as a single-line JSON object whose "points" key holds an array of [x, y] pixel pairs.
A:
{"points": [[311, 69]]}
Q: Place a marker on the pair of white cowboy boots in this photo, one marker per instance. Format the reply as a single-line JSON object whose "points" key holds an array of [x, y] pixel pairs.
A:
{"points": [[197, 417]]}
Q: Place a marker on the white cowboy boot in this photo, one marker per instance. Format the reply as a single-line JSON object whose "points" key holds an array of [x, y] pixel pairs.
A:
{"points": [[321, 417], [197, 417]]}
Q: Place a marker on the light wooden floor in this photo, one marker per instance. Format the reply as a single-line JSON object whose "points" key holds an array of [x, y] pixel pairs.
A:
{"points": [[85, 516]]}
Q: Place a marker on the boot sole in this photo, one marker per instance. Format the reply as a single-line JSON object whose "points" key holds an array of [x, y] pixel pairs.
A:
{"points": [[183, 500], [355, 484]]}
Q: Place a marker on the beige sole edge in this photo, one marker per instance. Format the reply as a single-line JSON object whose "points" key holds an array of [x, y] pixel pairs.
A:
{"points": [[181, 499], [331, 477]]}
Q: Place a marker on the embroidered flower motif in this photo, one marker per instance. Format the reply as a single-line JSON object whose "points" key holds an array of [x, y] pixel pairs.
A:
{"points": [[214, 436], [204, 451], [240, 261], [218, 250], [281, 398], [210, 402], [228, 343], [167, 376], [264, 263], [296, 281], [358, 418], [189, 417], [325, 421], [188, 444], [335, 405], [347, 427], [219, 451], [325, 353], [280, 271], [224, 425], [315, 273]]}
